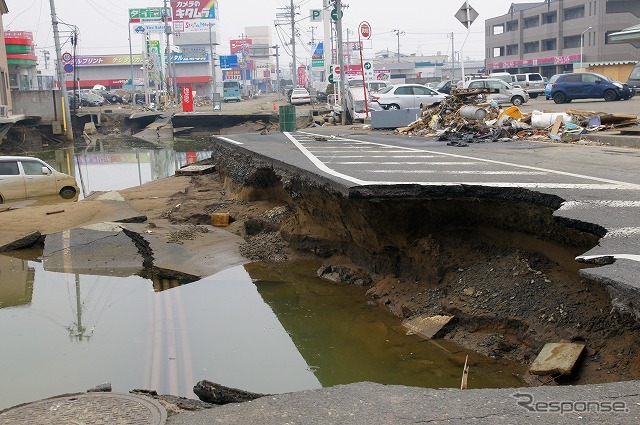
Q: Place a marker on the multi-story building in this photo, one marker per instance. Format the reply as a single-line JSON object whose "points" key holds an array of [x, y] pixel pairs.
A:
{"points": [[556, 36]]}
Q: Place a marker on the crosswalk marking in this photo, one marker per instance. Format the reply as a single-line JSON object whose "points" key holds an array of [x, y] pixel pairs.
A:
{"points": [[308, 144]]}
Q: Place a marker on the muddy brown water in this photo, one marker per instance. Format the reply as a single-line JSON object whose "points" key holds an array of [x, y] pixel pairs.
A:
{"points": [[247, 327]]}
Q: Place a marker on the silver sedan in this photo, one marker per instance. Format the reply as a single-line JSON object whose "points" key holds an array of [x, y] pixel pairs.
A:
{"points": [[403, 96]]}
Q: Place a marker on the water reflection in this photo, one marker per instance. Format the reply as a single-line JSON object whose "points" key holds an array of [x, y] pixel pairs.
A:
{"points": [[64, 332], [105, 168]]}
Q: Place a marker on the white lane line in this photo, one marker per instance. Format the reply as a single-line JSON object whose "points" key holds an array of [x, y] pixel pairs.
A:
{"points": [[619, 184], [623, 232], [381, 156], [525, 185], [314, 150], [455, 172], [400, 163], [319, 163], [226, 139], [570, 205], [631, 257]]}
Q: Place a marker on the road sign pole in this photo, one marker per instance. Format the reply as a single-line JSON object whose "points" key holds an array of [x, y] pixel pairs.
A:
{"points": [[364, 30]]}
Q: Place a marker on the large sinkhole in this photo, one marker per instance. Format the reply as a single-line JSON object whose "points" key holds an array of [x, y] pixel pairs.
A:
{"points": [[496, 259]]}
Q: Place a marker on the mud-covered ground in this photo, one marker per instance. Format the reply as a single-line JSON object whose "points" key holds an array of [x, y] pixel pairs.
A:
{"points": [[511, 292]]}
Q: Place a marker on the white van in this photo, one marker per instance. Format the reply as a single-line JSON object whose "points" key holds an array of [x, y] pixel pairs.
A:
{"points": [[355, 103], [532, 82], [25, 177]]}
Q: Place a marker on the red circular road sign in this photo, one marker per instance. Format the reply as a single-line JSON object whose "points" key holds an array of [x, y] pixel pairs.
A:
{"points": [[365, 29], [66, 57], [336, 70]]}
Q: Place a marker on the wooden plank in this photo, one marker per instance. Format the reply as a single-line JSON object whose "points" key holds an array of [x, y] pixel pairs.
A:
{"points": [[556, 126]]}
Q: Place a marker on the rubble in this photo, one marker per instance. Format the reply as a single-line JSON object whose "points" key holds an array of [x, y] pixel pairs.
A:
{"points": [[468, 117]]}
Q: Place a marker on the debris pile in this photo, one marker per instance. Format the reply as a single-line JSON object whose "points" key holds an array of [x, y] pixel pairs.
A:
{"points": [[467, 116]]}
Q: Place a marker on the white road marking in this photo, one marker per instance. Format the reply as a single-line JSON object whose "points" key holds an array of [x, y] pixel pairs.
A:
{"points": [[401, 163], [519, 173], [319, 163], [226, 139], [615, 184], [631, 257], [570, 205], [623, 232], [381, 156]]}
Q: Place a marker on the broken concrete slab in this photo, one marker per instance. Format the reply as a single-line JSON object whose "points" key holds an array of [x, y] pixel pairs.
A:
{"points": [[21, 241], [94, 249], [557, 358], [186, 252], [426, 326], [195, 170], [99, 207]]}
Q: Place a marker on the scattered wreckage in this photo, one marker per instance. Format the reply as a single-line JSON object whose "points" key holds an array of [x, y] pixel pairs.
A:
{"points": [[469, 115]]}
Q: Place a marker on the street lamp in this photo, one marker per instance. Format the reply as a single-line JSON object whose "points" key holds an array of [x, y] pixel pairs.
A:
{"points": [[581, 44]]}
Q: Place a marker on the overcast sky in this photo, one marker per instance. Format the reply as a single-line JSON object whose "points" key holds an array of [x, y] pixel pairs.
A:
{"points": [[426, 23]]}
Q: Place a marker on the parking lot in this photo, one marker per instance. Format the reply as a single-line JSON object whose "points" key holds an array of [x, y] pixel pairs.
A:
{"points": [[631, 106]]}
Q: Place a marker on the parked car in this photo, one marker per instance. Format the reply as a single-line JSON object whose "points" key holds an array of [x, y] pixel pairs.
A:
{"points": [[634, 79], [532, 82], [548, 84], [322, 96], [110, 96], [89, 98], [588, 85], [445, 86], [300, 96], [403, 96], [500, 91], [24, 177]]}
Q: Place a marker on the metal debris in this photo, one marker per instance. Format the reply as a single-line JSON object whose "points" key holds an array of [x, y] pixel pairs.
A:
{"points": [[467, 117]]}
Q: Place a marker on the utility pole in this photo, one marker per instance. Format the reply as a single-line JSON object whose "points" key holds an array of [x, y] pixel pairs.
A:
{"points": [[313, 44], [453, 58], [212, 58], [167, 32], [398, 34], [341, 61], [59, 71], [45, 53], [292, 13], [277, 55]]}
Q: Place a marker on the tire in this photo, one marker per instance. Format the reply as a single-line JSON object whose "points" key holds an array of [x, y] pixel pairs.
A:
{"points": [[533, 95], [114, 99], [393, 107], [67, 192], [517, 100], [559, 97], [610, 95]]}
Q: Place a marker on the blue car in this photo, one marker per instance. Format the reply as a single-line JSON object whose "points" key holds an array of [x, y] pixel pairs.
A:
{"points": [[548, 84], [587, 85]]}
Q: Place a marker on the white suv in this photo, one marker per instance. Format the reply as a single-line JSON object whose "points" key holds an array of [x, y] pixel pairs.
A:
{"points": [[532, 82]]}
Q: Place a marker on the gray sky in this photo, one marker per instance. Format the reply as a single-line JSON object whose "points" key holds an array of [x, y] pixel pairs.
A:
{"points": [[103, 23]]}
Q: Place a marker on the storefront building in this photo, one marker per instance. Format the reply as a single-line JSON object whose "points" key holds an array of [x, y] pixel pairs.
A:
{"points": [[556, 36]]}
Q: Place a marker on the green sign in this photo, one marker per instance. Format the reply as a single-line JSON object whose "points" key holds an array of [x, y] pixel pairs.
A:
{"points": [[334, 14], [148, 13], [317, 63], [368, 65], [331, 79], [153, 47]]}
